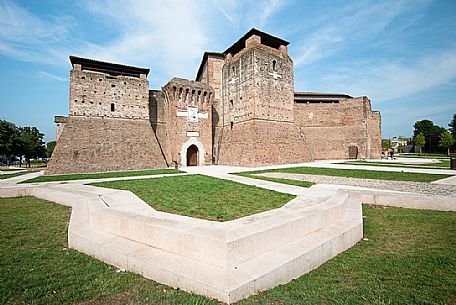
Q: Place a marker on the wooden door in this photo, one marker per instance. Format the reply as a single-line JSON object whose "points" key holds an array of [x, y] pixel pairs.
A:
{"points": [[192, 156], [353, 152]]}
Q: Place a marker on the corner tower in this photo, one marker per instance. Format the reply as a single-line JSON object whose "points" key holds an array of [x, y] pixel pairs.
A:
{"points": [[256, 123], [108, 127]]}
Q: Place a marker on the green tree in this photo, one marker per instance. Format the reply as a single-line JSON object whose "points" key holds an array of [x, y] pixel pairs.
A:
{"points": [[32, 143], [452, 126], [50, 148], [386, 144], [10, 143], [446, 140], [420, 140], [431, 133]]}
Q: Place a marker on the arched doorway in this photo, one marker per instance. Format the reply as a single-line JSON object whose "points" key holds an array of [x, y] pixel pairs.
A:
{"points": [[192, 155]]}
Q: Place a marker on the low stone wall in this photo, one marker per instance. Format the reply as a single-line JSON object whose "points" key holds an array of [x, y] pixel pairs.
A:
{"points": [[227, 261]]}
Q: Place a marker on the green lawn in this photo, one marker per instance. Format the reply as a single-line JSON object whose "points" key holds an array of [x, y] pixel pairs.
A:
{"points": [[36, 266], [442, 164], [356, 173], [103, 175], [202, 196], [278, 180], [409, 258], [423, 155], [6, 176]]}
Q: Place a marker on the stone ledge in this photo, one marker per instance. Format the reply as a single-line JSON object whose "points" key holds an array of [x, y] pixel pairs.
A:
{"points": [[227, 261]]}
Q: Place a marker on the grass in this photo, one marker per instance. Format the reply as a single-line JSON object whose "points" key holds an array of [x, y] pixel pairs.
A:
{"points": [[423, 155], [38, 268], [409, 258], [278, 180], [102, 175], [442, 164], [357, 173], [6, 176], [202, 196]]}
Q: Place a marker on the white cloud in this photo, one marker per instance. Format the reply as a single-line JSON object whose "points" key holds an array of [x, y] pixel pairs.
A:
{"points": [[26, 37], [249, 13], [269, 8], [349, 24], [394, 80], [49, 76], [169, 34]]}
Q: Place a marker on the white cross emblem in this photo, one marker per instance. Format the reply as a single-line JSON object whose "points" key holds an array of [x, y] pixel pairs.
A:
{"points": [[192, 114], [275, 75]]}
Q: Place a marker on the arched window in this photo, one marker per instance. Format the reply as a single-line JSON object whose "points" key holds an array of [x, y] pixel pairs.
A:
{"points": [[274, 65]]}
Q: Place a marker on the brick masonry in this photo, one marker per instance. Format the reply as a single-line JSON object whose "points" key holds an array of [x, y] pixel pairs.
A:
{"points": [[241, 110]]}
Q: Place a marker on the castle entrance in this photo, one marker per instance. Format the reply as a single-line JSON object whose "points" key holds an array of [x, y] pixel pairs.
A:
{"points": [[192, 155]]}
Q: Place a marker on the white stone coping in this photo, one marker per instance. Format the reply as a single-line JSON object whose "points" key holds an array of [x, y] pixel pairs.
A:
{"points": [[224, 260]]}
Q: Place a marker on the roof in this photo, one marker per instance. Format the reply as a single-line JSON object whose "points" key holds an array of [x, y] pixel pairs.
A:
{"points": [[107, 67], [266, 39], [203, 61], [320, 95]]}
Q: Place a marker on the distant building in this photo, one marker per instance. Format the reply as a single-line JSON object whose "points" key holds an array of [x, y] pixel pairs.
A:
{"points": [[401, 144]]}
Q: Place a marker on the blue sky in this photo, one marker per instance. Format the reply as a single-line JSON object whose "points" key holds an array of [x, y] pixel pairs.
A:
{"points": [[402, 54]]}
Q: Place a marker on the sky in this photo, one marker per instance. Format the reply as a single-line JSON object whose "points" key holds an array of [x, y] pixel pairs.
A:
{"points": [[401, 54]]}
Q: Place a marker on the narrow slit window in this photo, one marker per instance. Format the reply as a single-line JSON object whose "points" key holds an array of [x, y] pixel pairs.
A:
{"points": [[274, 65], [113, 107], [231, 125]]}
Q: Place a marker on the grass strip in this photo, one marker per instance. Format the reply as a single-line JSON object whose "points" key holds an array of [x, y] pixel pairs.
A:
{"points": [[6, 176], [202, 196], [103, 175], [407, 259], [426, 155], [443, 164], [278, 180], [357, 173]]}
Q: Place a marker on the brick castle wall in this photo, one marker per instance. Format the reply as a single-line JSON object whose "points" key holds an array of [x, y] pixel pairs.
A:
{"points": [[99, 144], [255, 124], [258, 142], [331, 128], [94, 93]]}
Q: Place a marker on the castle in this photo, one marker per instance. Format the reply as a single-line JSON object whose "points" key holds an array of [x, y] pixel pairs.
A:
{"points": [[240, 110]]}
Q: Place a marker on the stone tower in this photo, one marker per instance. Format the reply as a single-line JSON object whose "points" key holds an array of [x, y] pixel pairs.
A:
{"points": [[255, 115], [108, 128]]}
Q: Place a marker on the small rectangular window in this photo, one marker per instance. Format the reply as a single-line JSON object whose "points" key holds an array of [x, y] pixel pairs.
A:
{"points": [[113, 107]]}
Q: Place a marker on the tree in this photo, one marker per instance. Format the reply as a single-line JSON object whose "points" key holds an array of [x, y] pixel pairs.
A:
{"points": [[431, 133], [50, 148], [10, 143], [420, 140], [386, 144], [446, 140], [452, 126], [32, 143]]}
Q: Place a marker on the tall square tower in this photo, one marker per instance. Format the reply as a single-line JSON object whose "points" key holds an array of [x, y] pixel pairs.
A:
{"points": [[255, 116]]}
